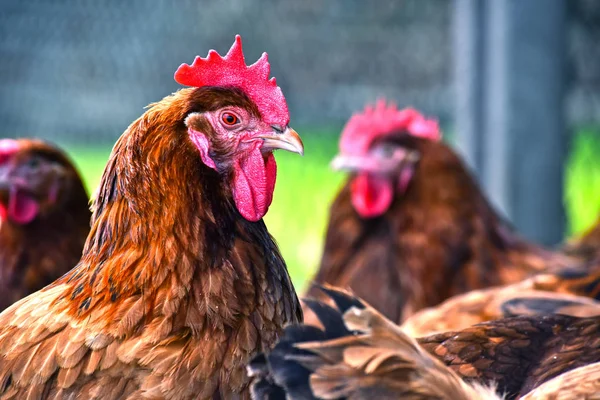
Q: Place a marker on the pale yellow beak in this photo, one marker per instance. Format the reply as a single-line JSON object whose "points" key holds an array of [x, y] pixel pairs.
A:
{"points": [[287, 140]]}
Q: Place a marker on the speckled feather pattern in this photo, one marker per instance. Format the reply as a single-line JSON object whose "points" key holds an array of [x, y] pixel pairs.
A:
{"points": [[519, 353]]}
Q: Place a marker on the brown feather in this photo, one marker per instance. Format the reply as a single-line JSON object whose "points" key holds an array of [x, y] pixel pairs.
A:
{"points": [[569, 292], [585, 246]]}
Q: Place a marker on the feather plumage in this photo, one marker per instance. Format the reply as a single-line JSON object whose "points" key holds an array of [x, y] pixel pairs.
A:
{"points": [[175, 290]]}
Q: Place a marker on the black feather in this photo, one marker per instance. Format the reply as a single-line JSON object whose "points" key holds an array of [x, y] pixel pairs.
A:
{"points": [[536, 306], [342, 300], [263, 389], [329, 317], [285, 372]]}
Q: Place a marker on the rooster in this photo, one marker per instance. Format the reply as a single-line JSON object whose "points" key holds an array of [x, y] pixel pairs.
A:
{"points": [[362, 355], [411, 227], [44, 216], [180, 282]]}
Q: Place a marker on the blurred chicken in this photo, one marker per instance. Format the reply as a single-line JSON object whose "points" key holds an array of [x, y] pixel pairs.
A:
{"points": [[362, 355], [358, 355], [577, 384], [585, 246], [570, 292], [411, 227], [45, 217], [180, 283]]}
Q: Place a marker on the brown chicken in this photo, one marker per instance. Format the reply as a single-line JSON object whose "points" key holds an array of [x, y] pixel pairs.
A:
{"points": [[45, 217], [411, 227], [571, 292], [579, 383], [585, 246], [180, 282], [360, 354]]}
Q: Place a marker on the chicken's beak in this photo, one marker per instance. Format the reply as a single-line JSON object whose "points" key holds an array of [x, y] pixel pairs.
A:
{"points": [[286, 139], [367, 163], [342, 162]]}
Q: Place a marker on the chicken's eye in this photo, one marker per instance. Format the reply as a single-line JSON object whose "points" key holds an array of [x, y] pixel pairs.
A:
{"points": [[33, 163], [385, 150], [229, 119]]}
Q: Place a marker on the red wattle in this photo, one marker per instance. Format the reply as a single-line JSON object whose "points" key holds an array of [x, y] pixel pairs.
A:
{"points": [[405, 177], [371, 195], [254, 183], [22, 208], [3, 212]]}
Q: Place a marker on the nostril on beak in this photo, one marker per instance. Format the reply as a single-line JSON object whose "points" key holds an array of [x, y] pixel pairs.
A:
{"points": [[278, 129]]}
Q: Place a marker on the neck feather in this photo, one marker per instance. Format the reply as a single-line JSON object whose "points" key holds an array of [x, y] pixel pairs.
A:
{"points": [[159, 215]]}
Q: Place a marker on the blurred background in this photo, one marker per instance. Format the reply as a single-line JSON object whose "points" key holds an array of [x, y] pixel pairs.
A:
{"points": [[515, 85]]}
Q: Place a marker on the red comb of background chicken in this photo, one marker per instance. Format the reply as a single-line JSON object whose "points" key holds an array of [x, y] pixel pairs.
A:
{"points": [[363, 128], [8, 147], [232, 70]]}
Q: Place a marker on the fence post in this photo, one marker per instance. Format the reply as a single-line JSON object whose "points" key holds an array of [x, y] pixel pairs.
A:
{"points": [[523, 136], [469, 69]]}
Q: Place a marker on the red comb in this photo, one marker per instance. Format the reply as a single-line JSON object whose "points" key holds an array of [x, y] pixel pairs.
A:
{"points": [[232, 70], [8, 147], [382, 120]]}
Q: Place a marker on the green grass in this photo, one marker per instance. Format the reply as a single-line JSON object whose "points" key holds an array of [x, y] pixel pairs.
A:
{"points": [[582, 180], [305, 187]]}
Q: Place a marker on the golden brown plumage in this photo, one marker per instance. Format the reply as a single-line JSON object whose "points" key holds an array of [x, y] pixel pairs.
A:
{"points": [[45, 217], [381, 361], [176, 290], [520, 353], [585, 246], [362, 355], [438, 237], [579, 383], [571, 292]]}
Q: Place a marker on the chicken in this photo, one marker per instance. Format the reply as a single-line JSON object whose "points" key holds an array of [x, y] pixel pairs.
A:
{"points": [[520, 353], [571, 292], [362, 355], [411, 228], [358, 355], [579, 383], [180, 283], [44, 214], [586, 245]]}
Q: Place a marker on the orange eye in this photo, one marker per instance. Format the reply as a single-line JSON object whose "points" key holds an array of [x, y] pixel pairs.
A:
{"points": [[229, 119]]}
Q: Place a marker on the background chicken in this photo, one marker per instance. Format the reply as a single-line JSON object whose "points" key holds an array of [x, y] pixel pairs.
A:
{"points": [[585, 246], [44, 214], [411, 227], [180, 282], [571, 292], [362, 355]]}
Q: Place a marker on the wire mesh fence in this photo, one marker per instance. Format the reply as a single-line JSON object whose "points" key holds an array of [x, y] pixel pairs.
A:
{"points": [[83, 70]]}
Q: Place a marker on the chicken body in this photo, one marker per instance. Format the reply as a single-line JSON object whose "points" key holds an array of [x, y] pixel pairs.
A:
{"points": [[362, 355], [519, 353], [585, 246], [438, 237], [45, 217], [180, 282], [570, 292]]}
